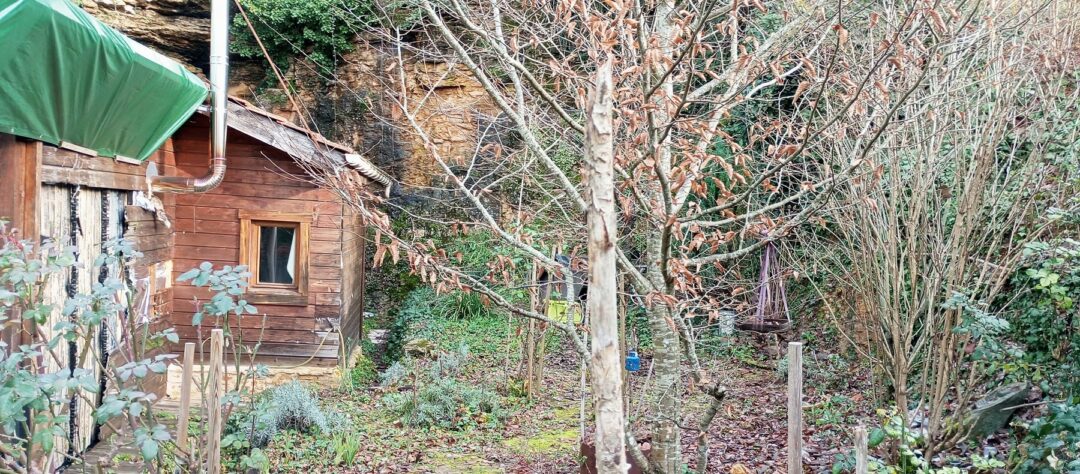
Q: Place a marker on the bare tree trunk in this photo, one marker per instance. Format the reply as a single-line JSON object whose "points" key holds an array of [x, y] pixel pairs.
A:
{"points": [[665, 394], [610, 438]]}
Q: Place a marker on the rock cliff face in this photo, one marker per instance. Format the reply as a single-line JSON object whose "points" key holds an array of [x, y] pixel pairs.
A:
{"points": [[177, 28], [356, 107]]}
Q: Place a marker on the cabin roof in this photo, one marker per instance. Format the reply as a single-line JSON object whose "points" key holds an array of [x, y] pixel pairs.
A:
{"points": [[69, 79], [296, 141]]}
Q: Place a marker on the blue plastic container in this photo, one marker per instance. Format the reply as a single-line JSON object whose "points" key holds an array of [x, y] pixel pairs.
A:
{"points": [[633, 362]]}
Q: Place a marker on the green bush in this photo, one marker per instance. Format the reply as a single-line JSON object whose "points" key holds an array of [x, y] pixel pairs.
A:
{"points": [[297, 408], [1046, 311], [291, 406], [319, 29], [431, 394], [451, 320], [34, 399], [447, 404], [1052, 443], [362, 373]]}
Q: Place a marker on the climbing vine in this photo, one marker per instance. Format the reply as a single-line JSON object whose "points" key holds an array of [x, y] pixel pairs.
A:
{"points": [[319, 30]]}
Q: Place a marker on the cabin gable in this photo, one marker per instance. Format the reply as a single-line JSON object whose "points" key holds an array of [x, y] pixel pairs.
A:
{"points": [[263, 186]]}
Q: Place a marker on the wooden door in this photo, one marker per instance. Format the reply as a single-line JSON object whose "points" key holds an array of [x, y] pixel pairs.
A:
{"points": [[82, 218]]}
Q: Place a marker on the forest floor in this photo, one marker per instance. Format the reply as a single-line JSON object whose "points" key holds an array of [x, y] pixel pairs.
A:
{"points": [[543, 435]]}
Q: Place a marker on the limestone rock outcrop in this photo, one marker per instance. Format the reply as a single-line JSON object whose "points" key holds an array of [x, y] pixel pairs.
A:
{"points": [[354, 105]]}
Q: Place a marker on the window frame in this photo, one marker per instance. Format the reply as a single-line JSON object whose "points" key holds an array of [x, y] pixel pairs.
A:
{"points": [[295, 294]]}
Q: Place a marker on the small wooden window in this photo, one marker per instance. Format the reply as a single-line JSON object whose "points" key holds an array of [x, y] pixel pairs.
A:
{"points": [[274, 246]]}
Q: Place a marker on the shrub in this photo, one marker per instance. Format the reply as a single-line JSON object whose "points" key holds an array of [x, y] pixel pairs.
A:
{"points": [[297, 408], [1045, 320], [435, 397], [450, 319], [446, 403], [1052, 443], [362, 373], [254, 425], [318, 29], [291, 406], [35, 399]]}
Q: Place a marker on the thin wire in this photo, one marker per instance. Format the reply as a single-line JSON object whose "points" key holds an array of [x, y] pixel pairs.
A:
{"points": [[299, 107]]}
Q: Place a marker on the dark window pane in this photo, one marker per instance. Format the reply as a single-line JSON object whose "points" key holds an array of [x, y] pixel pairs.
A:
{"points": [[277, 254]]}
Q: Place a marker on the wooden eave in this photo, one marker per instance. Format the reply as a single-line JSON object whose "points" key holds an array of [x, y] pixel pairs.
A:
{"points": [[302, 145]]}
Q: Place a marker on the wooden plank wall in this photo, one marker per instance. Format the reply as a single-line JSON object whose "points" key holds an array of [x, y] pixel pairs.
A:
{"points": [[153, 276], [44, 185], [97, 189], [259, 178], [60, 166], [55, 224], [19, 174], [98, 220], [20, 171], [353, 247]]}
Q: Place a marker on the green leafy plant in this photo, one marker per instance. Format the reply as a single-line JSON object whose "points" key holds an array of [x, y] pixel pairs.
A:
{"points": [[1046, 312], [345, 448], [430, 394], [362, 373], [291, 406], [895, 432], [984, 464], [228, 283], [1052, 442], [297, 408], [319, 30], [442, 320], [37, 380]]}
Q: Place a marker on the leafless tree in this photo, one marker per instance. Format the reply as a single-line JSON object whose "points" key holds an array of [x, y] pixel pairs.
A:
{"points": [[974, 167], [734, 124], [683, 71], [603, 292]]}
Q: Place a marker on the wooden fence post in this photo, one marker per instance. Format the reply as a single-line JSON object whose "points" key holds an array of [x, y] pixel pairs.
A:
{"points": [[213, 405], [185, 398], [530, 336], [861, 465], [795, 422]]}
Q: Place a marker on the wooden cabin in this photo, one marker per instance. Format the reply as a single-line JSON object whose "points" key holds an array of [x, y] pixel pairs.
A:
{"points": [[304, 249], [86, 145], [78, 154], [309, 285]]}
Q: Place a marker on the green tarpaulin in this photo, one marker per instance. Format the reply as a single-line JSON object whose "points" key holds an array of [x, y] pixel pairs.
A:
{"points": [[66, 77]]}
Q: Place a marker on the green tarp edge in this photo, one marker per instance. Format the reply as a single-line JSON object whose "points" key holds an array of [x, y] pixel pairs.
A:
{"points": [[67, 77]]}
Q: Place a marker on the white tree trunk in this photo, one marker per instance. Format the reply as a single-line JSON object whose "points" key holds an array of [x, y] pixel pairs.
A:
{"points": [[610, 441], [664, 395]]}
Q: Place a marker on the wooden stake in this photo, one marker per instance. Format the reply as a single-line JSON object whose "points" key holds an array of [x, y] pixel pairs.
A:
{"points": [[795, 423], [185, 398], [213, 435], [861, 465], [530, 336]]}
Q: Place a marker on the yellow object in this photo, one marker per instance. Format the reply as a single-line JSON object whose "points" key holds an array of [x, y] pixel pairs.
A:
{"points": [[558, 311]]}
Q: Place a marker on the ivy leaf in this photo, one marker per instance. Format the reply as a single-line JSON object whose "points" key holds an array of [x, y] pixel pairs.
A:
{"points": [[877, 436]]}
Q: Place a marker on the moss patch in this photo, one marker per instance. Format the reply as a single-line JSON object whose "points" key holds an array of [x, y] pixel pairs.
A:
{"points": [[568, 415], [547, 442], [460, 463]]}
